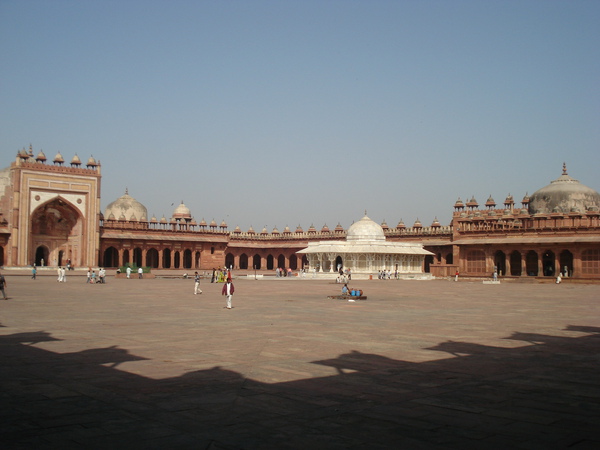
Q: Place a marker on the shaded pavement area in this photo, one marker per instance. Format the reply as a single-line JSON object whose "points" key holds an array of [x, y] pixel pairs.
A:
{"points": [[419, 365]]}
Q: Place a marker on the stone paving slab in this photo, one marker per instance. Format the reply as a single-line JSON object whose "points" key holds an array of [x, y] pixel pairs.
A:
{"points": [[420, 365]]}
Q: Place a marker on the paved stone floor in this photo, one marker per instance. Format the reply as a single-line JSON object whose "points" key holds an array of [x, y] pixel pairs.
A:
{"points": [[419, 365]]}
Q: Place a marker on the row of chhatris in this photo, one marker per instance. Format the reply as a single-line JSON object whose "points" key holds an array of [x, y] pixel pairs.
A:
{"points": [[27, 156]]}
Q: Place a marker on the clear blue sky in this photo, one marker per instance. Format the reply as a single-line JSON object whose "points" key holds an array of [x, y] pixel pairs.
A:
{"points": [[296, 112]]}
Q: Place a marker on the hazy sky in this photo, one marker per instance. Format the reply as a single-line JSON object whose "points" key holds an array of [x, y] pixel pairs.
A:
{"points": [[275, 113]]}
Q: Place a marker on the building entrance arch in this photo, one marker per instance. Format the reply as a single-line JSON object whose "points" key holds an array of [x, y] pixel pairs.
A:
{"points": [[566, 263], [500, 262], [58, 226], [111, 257], [548, 263], [41, 255], [515, 264]]}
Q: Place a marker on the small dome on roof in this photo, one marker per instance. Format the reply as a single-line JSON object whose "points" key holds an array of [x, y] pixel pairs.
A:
{"points": [[203, 223], [384, 225], [339, 228], [58, 159], [472, 203], [275, 230], [436, 223], [41, 157], [237, 229], [223, 224], [182, 212], [154, 219], [365, 229], [163, 219], [133, 218], [312, 229], [75, 161], [490, 202], [325, 229], [400, 224], [417, 224], [212, 224], [299, 229], [91, 162], [287, 230], [251, 230], [264, 231]]}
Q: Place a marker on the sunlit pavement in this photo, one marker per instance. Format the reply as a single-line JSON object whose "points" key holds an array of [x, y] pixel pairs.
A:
{"points": [[418, 365]]}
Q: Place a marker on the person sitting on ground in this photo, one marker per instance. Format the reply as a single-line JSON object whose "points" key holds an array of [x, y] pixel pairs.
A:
{"points": [[345, 289]]}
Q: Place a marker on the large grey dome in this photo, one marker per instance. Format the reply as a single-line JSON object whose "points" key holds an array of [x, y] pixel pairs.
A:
{"points": [[563, 195], [365, 230], [126, 206]]}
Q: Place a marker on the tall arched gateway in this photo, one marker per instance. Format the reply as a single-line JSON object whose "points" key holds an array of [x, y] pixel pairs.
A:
{"points": [[58, 227]]}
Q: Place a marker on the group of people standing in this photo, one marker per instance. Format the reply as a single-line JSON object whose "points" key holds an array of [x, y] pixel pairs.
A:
{"points": [[93, 278]]}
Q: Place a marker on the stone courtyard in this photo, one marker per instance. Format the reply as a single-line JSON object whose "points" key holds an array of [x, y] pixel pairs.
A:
{"points": [[418, 365]]}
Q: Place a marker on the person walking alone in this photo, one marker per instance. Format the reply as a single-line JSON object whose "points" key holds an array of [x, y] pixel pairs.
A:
{"points": [[197, 284], [3, 284], [228, 291]]}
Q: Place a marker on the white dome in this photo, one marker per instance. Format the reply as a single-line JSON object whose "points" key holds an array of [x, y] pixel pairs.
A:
{"points": [[365, 230], [126, 206]]}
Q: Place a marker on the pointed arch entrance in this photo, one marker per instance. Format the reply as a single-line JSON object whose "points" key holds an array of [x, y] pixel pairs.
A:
{"points": [[58, 228]]}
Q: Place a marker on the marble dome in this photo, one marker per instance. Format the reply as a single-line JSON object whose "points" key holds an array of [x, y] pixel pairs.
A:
{"points": [[365, 230], [182, 212], [126, 206], [563, 195]]}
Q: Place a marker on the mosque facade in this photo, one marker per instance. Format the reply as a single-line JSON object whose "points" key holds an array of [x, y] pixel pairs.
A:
{"points": [[50, 215]]}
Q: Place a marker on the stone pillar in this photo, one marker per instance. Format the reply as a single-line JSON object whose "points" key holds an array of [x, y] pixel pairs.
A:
{"points": [[172, 258], [524, 263], [144, 256], [160, 259]]}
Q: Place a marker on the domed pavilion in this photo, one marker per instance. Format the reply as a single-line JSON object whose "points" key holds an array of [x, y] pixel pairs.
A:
{"points": [[564, 195], [365, 252], [126, 206]]}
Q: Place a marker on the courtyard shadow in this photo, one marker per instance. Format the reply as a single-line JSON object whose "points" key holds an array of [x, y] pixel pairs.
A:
{"points": [[540, 391]]}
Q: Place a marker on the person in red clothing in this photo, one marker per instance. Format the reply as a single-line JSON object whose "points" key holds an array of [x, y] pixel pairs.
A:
{"points": [[228, 291]]}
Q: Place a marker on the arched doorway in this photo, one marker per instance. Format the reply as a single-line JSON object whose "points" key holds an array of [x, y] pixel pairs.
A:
{"points": [[137, 257], [449, 258], [197, 260], [126, 257], [41, 255], [270, 262], [187, 259], [548, 262], [229, 260], [339, 263], [152, 258], [500, 262], [531, 263], [111, 257], [293, 262], [166, 258], [281, 261], [515, 264], [177, 260], [566, 263], [256, 262], [243, 261], [58, 226]]}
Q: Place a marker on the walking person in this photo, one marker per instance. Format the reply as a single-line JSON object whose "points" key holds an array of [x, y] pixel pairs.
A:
{"points": [[228, 291], [59, 273], [63, 275], [197, 284], [3, 284], [128, 270], [140, 273], [33, 272]]}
